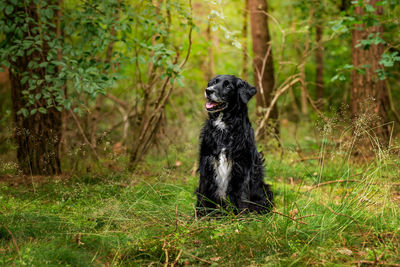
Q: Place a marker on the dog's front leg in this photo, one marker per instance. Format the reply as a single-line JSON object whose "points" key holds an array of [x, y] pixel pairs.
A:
{"points": [[206, 201], [239, 189]]}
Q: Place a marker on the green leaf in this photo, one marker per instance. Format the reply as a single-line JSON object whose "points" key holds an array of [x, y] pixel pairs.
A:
{"points": [[2, 6], [42, 110], [388, 59], [23, 111], [33, 111], [24, 79], [9, 9], [67, 104], [78, 111], [369, 8], [38, 96], [49, 13]]}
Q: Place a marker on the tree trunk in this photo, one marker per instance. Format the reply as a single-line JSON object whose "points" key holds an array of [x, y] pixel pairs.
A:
{"points": [[303, 85], [244, 36], [262, 62], [37, 136], [210, 72], [369, 98], [319, 68]]}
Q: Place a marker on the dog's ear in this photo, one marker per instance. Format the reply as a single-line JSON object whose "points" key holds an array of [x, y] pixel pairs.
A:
{"points": [[245, 90]]}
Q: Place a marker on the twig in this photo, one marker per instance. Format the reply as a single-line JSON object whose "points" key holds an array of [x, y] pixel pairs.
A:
{"points": [[392, 107], [197, 258], [341, 214], [261, 73], [332, 182], [176, 218], [315, 107], [189, 38], [117, 100], [177, 258], [374, 263], [83, 135], [14, 242], [305, 159], [351, 181], [166, 253], [276, 96], [287, 216], [306, 216]]}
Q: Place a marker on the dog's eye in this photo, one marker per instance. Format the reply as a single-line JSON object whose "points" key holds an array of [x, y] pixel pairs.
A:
{"points": [[226, 84]]}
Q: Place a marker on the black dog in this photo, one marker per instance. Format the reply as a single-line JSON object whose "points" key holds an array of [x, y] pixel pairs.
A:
{"points": [[231, 169]]}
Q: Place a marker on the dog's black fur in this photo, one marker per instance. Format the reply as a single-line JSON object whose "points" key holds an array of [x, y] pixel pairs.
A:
{"points": [[227, 140]]}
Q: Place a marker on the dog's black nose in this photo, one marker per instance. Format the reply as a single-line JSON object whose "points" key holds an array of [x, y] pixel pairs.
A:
{"points": [[209, 90]]}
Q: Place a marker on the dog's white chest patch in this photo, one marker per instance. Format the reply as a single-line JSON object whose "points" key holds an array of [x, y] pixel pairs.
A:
{"points": [[223, 168], [219, 122]]}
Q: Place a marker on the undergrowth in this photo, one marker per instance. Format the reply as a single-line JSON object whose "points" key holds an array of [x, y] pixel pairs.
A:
{"points": [[329, 210]]}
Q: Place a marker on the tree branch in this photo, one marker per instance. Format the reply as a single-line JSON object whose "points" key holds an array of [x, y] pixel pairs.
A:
{"points": [[83, 134], [273, 101]]}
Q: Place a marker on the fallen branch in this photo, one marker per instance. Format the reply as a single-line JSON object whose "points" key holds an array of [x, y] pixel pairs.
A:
{"points": [[376, 263], [14, 242], [166, 253], [188, 254], [197, 258], [287, 216], [177, 258]]}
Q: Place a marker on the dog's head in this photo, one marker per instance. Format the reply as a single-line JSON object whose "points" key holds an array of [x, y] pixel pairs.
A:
{"points": [[227, 92]]}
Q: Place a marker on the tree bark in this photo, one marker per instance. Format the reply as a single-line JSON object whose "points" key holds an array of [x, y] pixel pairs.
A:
{"points": [[303, 86], [262, 61], [37, 136], [369, 98], [244, 36], [210, 72]]}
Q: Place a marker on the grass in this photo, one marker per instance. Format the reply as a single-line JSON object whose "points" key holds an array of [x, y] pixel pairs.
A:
{"points": [[148, 217]]}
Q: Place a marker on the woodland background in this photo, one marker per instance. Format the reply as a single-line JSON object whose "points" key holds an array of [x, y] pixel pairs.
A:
{"points": [[101, 104]]}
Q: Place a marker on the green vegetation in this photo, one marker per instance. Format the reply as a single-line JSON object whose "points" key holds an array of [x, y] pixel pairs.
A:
{"points": [[148, 217], [101, 105]]}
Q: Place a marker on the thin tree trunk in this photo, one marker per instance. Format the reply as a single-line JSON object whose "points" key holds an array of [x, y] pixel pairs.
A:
{"points": [[369, 97], [210, 61], [244, 36], [303, 86], [37, 136], [263, 63], [319, 68]]}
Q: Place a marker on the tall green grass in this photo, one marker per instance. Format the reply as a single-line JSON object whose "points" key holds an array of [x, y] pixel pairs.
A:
{"points": [[329, 210]]}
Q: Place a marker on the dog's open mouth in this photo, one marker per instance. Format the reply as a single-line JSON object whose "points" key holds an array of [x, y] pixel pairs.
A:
{"points": [[212, 106]]}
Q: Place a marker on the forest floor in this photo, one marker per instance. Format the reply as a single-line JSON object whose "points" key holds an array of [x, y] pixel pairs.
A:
{"points": [[328, 211]]}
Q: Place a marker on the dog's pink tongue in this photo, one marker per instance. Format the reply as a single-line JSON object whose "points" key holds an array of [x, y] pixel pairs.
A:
{"points": [[210, 104]]}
